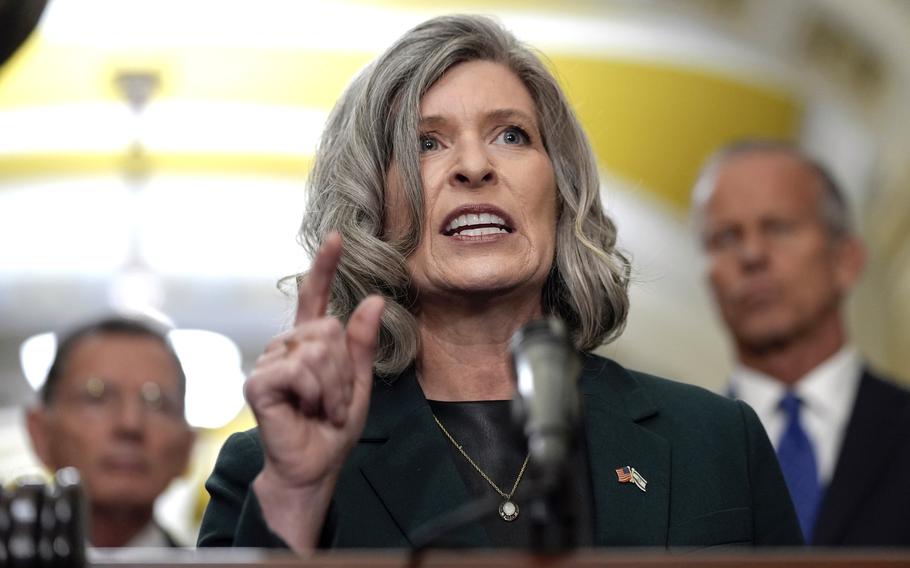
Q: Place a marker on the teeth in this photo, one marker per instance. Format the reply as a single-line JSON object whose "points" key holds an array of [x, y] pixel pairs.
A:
{"points": [[482, 231], [471, 219]]}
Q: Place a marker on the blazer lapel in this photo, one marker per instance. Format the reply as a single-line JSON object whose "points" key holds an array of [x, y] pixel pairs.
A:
{"points": [[613, 404], [412, 472], [870, 436]]}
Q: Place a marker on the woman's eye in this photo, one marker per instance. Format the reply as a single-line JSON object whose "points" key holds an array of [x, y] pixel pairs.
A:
{"points": [[513, 135], [428, 144]]}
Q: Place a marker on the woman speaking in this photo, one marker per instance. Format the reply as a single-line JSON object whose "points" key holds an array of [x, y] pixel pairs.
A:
{"points": [[455, 198]]}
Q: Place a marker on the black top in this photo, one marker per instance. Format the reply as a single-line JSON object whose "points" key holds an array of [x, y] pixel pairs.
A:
{"points": [[487, 434]]}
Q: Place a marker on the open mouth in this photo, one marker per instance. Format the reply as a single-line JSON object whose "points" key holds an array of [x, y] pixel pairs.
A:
{"points": [[477, 224]]}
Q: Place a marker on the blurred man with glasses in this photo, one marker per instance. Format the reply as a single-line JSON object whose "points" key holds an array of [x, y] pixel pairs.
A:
{"points": [[113, 407]]}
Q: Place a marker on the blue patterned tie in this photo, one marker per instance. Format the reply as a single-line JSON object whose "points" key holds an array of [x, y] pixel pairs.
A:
{"points": [[797, 461]]}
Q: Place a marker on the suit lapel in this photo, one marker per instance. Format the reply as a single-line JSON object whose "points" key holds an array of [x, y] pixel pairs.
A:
{"points": [[412, 472], [624, 514], [870, 436]]}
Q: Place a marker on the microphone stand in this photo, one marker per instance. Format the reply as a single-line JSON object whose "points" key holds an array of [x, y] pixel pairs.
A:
{"points": [[553, 510]]}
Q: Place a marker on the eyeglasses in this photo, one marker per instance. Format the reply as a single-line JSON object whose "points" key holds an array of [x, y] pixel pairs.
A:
{"points": [[97, 397]]}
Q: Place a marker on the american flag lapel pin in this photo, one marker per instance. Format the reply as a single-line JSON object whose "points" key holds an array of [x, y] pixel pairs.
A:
{"points": [[627, 474]]}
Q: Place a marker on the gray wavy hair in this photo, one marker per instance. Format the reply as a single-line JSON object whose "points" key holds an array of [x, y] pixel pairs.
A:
{"points": [[376, 122]]}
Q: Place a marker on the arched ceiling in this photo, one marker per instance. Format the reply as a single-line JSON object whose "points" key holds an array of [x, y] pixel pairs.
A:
{"points": [[237, 97], [256, 104]]}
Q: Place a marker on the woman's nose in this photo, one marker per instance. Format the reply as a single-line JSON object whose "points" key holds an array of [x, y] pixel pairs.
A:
{"points": [[472, 168]]}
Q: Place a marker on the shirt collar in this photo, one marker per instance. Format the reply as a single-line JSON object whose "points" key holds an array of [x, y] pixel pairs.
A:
{"points": [[761, 391], [829, 388]]}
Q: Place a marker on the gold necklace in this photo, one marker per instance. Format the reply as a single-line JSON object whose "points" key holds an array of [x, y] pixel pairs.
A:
{"points": [[508, 510]]}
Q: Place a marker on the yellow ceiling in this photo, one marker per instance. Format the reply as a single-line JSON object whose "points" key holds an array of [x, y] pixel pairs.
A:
{"points": [[654, 124], [651, 123]]}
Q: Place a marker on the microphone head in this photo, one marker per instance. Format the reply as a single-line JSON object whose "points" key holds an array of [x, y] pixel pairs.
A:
{"points": [[547, 329], [546, 404]]}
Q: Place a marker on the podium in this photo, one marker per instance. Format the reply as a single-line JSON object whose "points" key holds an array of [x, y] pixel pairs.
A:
{"points": [[620, 558]]}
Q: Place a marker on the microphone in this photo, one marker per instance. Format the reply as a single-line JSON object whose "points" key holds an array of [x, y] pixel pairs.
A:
{"points": [[546, 405], [43, 525]]}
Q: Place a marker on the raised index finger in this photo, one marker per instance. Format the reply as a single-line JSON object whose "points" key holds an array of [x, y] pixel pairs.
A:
{"points": [[313, 293]]}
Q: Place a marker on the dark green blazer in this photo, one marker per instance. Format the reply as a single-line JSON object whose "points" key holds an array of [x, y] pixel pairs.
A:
{"points": [[712, 474]]}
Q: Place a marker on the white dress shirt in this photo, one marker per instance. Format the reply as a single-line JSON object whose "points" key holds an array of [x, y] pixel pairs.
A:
{"points": [[144, 548], [151, 536], [828, 392]]}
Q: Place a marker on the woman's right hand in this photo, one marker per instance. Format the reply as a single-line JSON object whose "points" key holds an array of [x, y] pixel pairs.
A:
{"points": [[310, 392]]}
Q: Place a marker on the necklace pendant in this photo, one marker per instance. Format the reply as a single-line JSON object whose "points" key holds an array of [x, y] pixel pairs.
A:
{"points": [[508, 511]]}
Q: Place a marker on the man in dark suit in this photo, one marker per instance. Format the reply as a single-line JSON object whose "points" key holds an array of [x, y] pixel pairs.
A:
{"points": [[781, 260]]}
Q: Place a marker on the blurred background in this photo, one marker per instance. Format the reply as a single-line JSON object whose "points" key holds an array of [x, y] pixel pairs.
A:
{"points": [[153, 155]]}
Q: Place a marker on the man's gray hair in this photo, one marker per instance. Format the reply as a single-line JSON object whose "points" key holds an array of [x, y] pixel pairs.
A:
{"points": [[833, 207], [376, 122]]}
